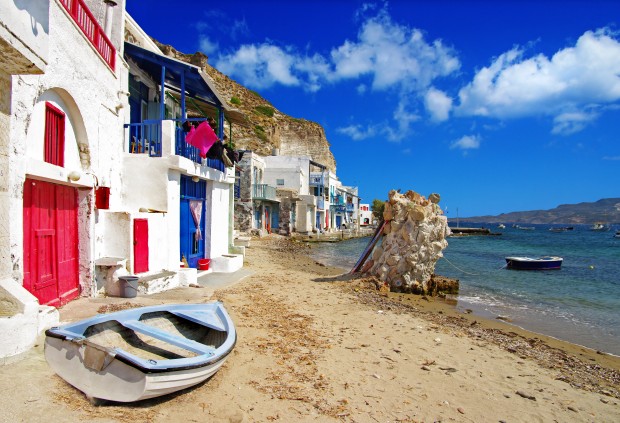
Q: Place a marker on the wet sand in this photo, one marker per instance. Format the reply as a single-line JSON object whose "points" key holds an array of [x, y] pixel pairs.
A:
{"points": [[316, 345]]}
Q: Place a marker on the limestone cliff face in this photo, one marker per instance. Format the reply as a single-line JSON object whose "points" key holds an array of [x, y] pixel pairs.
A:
{"points": [[267, 128]]}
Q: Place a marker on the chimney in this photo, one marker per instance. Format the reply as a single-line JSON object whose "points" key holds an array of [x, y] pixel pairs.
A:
{"points": [[109, 14]]}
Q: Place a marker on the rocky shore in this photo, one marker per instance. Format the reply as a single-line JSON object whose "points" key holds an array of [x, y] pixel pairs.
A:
{"points": [[317, 345]]}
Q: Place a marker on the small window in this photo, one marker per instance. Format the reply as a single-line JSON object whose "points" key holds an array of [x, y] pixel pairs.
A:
{"points": [[54, 135], [280, 182]]}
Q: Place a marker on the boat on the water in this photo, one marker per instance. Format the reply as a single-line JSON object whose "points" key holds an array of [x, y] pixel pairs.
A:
{"points": [[501, 226], [617, 234], [528, 263], [142, 352], [598, 227], [526, 228], [564, 229]]}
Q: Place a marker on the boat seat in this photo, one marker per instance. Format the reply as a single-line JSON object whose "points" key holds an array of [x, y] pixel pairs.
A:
{"points": [[207, 319], [185, 343]]}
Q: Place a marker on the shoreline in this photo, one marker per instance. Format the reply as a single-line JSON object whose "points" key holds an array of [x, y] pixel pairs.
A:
{"points": [[315, 344], [480, 313]]}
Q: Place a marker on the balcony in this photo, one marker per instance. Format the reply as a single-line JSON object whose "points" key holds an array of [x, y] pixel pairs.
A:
{"points": [[87, 23], [350, 208], [146, 138], [337, 200], [320, 203], [316, 179], [263, 192]]}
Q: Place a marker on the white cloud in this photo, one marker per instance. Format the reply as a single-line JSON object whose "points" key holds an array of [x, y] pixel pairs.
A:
{"points": [[438, 104], [357, 132], [388, 54], [260, 66], [467, 142], [207, 46], [564, 86], [404, 118], [383, 56], [572, 122], [392, 55]]}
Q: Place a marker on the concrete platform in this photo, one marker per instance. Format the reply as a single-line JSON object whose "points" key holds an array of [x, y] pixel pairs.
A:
{"points": [[220, 280]]}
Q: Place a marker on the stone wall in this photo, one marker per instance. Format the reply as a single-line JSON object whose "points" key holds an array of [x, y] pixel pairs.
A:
{"points": [[287, 208], [414, 238]]}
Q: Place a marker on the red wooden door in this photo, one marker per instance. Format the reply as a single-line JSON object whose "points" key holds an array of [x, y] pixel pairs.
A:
{"points": [[50, 242], [141, 245]]}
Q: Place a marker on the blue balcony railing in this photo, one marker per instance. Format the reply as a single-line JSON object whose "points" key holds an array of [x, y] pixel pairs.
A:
{"points": [[182, 148], [350, 207], [145, 138], [263, 192], [337, 200]]}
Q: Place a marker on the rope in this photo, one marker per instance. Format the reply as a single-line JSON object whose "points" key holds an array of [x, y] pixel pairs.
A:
{"points": [[461, 270]]}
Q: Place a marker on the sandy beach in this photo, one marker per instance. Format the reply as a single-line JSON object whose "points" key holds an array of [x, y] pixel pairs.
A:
{"points": [[316, 345]]}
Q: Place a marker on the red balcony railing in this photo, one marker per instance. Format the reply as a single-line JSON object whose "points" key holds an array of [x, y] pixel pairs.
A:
{"points": [[89, 26]]}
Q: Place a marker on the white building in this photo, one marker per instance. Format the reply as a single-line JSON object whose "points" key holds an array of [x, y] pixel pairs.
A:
{"points": [[62, 124], [365, 214], [292, 173], [80, 203]]}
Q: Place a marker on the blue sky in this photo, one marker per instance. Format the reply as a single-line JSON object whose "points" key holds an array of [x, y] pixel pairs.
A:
{"points": [[498, 106]]}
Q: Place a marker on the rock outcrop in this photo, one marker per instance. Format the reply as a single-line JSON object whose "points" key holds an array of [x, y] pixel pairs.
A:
{"points": [[267, 129], [414, 238]]}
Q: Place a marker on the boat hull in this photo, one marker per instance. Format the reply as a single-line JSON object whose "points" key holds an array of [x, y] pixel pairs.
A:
{"points": [[132, 372], [526, 263], [119, 381]]}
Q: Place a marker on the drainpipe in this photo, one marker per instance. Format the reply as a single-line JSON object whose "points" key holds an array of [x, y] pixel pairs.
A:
{"points": [[109, 14]]}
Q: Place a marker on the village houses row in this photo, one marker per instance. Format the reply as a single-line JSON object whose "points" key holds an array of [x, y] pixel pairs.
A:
{"points": [[97, 180]]}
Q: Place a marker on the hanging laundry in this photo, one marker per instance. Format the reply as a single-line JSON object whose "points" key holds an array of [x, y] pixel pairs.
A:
{"points": [[195, 206], [216, 151], [202, 138]]}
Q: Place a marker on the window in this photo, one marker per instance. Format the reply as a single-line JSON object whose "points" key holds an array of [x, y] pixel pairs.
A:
{"points": [[280, 182], [54, 142]]}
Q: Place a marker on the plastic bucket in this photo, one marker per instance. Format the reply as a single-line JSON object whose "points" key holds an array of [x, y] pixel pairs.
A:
{"points": [[128, 286], [203, 264]]}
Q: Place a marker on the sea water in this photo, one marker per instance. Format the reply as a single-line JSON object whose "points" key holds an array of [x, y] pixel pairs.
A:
{"points": [[580, 303]]}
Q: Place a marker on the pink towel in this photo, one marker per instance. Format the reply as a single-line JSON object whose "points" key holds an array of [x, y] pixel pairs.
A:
{"points": [[202, 138]]}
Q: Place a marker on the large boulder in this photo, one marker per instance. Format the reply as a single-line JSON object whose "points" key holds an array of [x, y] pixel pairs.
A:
{"points": [[414, 239]]}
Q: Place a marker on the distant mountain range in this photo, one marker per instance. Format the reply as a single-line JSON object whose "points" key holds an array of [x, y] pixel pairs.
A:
{"points": [[605, 211]]}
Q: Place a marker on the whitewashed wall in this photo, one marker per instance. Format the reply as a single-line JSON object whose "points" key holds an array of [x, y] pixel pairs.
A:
{"points": [[78, 82], [25, 28], [217, 219], [294, 171]]}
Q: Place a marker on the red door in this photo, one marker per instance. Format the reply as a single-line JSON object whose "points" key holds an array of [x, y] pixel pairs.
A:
{"points": [[141, 245], [50, 242]]}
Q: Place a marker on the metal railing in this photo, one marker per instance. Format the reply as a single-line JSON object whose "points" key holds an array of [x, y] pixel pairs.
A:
{"points": [[85, 20]]}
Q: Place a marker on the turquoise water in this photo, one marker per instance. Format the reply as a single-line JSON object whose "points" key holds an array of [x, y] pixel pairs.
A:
{"points": [[579, 303]]}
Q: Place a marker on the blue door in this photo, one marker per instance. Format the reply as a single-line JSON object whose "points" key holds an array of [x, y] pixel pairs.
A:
{"points": [[338, 221], [275, 217], [192, 236]]}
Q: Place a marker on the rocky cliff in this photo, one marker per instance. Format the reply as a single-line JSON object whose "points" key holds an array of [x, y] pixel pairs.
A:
{"points": [[267, 128]]}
